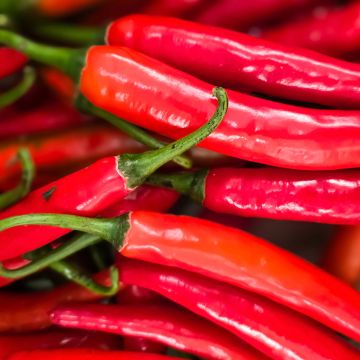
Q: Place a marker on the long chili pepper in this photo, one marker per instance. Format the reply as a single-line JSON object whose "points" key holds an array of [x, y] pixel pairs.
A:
{"points": [[10, 344], [325, 197], [10, 61], [22, 189], [222, 56], [173, 104], [220, 252], [166, 324], [85, 354], [334, 33], [53, 115], [107, 181], [342, 258], [11, 96], [274, 330]]}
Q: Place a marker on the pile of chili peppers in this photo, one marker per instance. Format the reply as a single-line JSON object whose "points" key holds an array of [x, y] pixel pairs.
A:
{"points": [[179, 179]]}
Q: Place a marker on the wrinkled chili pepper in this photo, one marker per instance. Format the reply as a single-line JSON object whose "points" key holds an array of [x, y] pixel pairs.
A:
{"points": [[325, 197], [51, 116], [255, 129], [102, 184], [85, 354], [335, 33], [278, 332], [342, 258], [10, 344], [166, 324], [10, 61], [222, 57], [223, 253]]}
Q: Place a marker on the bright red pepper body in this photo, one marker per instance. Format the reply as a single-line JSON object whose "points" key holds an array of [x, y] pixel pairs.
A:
{"points": [[334, 33], [10, 61], [174, 103], [166, 324], [221, 56], [243, 260], [274, 330]]}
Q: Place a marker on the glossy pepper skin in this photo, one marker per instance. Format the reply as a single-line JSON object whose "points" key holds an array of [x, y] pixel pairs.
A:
{"points": [[85, 354], [221, 56], [324, 197], [48, 117], [173, 104], [342, 259], [334, 33], [274, 330], [166, 324], [10, 344], [10, 61]]}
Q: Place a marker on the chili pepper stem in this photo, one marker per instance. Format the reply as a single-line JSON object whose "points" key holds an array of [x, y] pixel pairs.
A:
{"points": [[68, 60], [186, 183]]}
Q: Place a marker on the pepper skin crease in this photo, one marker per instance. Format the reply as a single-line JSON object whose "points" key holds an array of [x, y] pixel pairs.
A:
{"points": [[220, 252], [336, 33], [166, 324], [85, 354], [221, 56], [172, 104], [324, 197], [274, 330], [10, 344], [10, 61]]}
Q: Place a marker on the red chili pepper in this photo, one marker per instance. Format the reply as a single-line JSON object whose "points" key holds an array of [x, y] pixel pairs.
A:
{"points": [[58, 81], [10, 61], [325, 197], [222, 57], [85, 354], [334, 32], [11, 265], [95, 188], [51, 116], [10, 344], [343, 256], [223, 253], [176, 8], [272, 329], [166, 324]]}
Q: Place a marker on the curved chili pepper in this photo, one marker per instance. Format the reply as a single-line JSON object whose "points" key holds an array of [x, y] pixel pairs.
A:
{"points": [[166, 324], [85, 354], [51, 116], [335, 32], [325, 197], [220, 252], [10, 61], [343, 256], [222, 57], [10, 344], [272, 329]]}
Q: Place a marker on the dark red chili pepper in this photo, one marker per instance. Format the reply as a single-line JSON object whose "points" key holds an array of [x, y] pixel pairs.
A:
{"points": [[11, 265], [176, 8], [173, 103], [222, 57], [58, 81], [220, 252], [85, 354], [10, 344], [95, 188], [10, 61], [276, 331], [166, 324], [325, 197], [335, 32], [51, 116], [342, 258]]}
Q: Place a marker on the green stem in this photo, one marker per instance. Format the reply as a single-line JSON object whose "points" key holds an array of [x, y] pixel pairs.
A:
{"points": [[135, 132], [14, 7], [71, 34], [20, 89], [27, 177], [137, 167], [68, 60]]}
